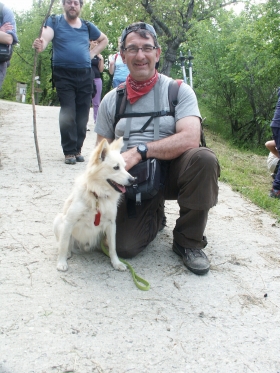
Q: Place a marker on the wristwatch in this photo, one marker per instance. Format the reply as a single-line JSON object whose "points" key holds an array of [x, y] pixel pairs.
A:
{"points": [[142, 149]]}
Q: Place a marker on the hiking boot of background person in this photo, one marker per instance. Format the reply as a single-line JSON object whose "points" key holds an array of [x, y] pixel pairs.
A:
{"points": [[79, 157], [274, 193], [70, 159]]}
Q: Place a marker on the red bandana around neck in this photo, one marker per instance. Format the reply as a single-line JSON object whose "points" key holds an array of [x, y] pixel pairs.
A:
{"points": [[136, 89]]}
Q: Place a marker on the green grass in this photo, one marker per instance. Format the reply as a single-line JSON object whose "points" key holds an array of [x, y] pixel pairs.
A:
{"points": [[246, 172]]}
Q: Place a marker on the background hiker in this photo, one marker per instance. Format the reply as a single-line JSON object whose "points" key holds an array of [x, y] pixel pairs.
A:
{"points": [[275, 126], [72, 72], [8, 35], [117, 67], [97, 65]]}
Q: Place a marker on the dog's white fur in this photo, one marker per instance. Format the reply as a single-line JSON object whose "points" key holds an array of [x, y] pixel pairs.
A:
{"points": [[74, 227]]}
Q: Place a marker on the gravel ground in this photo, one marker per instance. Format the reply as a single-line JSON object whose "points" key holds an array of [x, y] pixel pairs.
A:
{"points": [[93, 318]]}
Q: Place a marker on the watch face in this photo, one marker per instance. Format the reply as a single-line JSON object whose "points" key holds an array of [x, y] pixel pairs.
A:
{"points": [[142, 147]]}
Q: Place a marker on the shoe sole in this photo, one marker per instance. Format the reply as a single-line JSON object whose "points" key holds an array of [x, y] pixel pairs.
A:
{"points": [[70, 162], [194, 270]]}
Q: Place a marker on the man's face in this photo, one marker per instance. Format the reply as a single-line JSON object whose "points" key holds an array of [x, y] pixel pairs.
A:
{"points": [[141, 64], [72, 8]]}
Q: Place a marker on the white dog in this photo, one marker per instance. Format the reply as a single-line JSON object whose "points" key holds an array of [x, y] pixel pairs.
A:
{"points": [[91, 209]]}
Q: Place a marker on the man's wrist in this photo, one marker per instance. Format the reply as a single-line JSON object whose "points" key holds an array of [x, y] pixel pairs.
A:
{"points": [[142, 149]]}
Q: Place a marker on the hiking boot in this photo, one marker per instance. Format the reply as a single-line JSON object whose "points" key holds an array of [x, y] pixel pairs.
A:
{"points": [[79, 157], [70, 159], [194, 259], [274, 193]]}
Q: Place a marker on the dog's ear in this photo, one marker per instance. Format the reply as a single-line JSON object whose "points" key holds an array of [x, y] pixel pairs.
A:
{"points": [[117, 144], [100, 152]]}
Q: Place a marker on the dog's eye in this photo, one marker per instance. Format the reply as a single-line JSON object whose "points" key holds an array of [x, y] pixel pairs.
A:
{"points": [[116, 168]]}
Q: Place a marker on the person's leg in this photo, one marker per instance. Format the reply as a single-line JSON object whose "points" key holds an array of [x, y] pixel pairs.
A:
{"points": [[134, 234], [65, 83], [276, 136], [97, 98], [3, 70], [192, 179], [83, 102]]}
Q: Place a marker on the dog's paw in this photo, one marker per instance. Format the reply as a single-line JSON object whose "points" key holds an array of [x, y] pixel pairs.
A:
{"points": [[117, 264], [62, 266]]}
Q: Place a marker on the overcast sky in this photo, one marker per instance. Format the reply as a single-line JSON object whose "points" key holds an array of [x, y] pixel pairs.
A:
{"points": [[19, 5]]}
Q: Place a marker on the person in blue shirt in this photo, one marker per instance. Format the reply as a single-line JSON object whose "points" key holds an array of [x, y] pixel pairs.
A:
{"points": [[7, 35], [72, 72], [275, 126], [118, 68]]}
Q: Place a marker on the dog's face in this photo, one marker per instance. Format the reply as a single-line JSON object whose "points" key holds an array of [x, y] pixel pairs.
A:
{"points": [[106, 165]]}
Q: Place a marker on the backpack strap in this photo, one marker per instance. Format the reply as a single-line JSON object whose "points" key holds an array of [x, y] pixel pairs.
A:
{"points": [[121, 99], [173, 89], [1, 13], [87, 24]]}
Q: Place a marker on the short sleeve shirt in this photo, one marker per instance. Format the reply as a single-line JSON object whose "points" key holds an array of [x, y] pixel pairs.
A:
{"points": [[71, 45], [8, 16], [187, 106], [121, 70]]}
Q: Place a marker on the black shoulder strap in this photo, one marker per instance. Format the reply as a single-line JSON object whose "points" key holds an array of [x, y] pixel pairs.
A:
{"points": [[87, 24], [53, 17], [1, 12], [121, 97], [173, 90]]}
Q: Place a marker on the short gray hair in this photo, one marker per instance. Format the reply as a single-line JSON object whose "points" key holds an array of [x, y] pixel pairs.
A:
{"points": [[81, 2]]}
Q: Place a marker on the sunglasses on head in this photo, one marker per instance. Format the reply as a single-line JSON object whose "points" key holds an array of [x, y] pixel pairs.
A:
{"points": [[138, 26]]}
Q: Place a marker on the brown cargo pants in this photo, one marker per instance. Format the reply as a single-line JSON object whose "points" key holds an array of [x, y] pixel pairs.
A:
{"points": [[192, 180]]}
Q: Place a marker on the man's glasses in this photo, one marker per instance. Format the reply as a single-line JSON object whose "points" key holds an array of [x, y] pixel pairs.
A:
{"points": [[133, 50], [69, 2]]}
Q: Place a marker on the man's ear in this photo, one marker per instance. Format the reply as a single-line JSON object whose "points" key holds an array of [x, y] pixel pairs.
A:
{"points": [[158, 54], [122, 56]]}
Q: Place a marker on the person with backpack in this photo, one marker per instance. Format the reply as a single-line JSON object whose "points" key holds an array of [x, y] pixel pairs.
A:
{"points": [[8, 37], [118, 68], [97, 66], [155, 134], [275, 127], [72, 76]]}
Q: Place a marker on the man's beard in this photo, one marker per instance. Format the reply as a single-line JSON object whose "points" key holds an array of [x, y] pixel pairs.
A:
{"points": [[72, 15]]}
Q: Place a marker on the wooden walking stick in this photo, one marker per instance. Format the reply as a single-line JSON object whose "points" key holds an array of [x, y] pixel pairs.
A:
{"points": [[32, 91]]}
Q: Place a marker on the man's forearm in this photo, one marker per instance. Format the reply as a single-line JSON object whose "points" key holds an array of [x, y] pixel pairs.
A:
{"points": [[6, 38], [166, 149], [102, 44]]}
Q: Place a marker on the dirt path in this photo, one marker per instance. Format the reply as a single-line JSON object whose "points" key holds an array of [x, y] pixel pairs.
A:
{"points": [[93, 318]]}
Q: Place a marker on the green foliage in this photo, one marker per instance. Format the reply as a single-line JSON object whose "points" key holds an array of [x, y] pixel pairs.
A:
{"points": [[246, 172], [238, 72]]}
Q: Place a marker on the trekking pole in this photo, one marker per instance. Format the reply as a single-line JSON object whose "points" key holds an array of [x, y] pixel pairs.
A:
{"points": [[182, 59], [190, 58], [32, 91]]}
